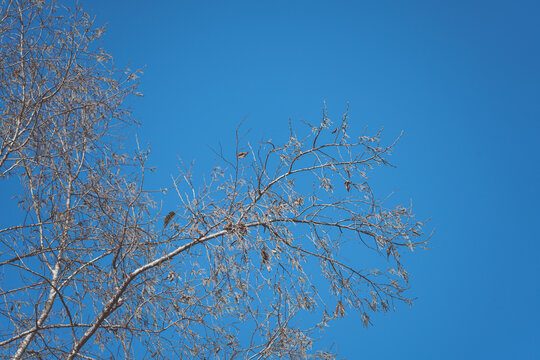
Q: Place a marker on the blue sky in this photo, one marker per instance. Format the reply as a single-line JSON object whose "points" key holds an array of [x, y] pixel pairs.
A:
{"points": [[461, 78]]}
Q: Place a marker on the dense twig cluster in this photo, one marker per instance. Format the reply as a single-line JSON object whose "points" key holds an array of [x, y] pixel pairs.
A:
{"points": [[91, 269]]}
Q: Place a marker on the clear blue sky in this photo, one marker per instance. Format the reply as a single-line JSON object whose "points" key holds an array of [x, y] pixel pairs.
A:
{"points": [[461, 78]]}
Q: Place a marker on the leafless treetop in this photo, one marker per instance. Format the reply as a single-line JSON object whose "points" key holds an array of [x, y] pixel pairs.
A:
{"points": [[250, 264]]}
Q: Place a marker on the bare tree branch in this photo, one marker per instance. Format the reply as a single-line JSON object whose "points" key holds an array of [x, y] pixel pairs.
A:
{"points": [[92, 269]]}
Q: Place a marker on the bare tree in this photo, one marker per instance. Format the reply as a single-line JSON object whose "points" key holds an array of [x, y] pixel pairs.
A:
{"points": [[92, 269]]}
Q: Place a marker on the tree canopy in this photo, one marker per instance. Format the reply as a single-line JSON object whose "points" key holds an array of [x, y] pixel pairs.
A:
{"points": [[93, 268]]}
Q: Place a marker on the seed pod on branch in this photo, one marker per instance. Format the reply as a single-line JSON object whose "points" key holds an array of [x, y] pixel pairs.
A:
{"points": [[168, 219], [242, 154]]}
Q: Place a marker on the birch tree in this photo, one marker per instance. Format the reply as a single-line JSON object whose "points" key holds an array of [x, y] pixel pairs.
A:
{"points": [[251, 262]]}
